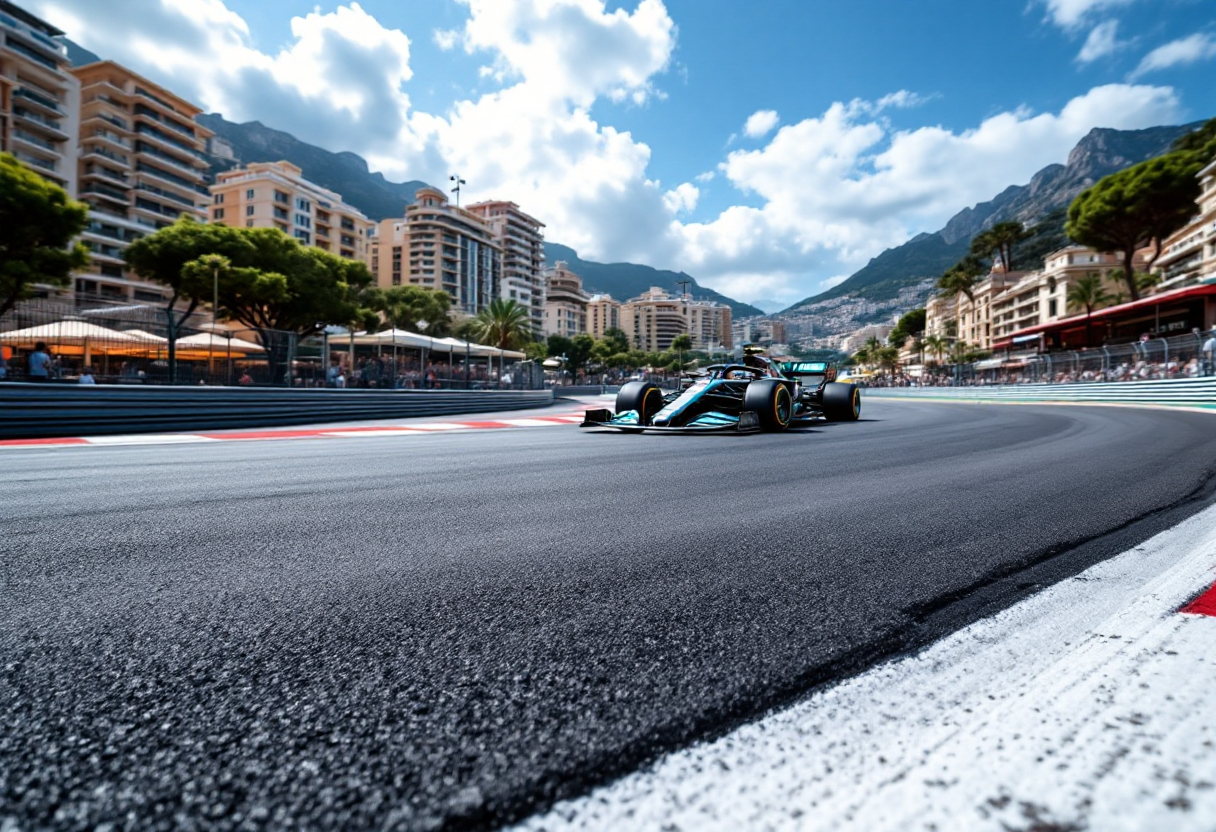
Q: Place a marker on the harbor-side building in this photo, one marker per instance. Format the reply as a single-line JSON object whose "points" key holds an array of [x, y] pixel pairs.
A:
{"points": [[522, 240]]}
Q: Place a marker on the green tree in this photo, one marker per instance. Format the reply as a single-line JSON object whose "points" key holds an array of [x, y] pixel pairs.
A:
{"points": [[161, 257], [1087, 293], [287, 288], [579, 353], [404, 306], [1201, 140], [937, 346], [558, 346], [962, 277], [1136, 207], [997, 242], [910, 325], [617, 338], [504, 324], [887, 358], [681, 343], [37, 223]]}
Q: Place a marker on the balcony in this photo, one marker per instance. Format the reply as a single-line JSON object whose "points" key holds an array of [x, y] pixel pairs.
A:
{"points": [[143, 131], [104, 191], [160, 210], [171, 179], [169, 195], [146, 149], [39, 164], [113, 121], [107, 136], [45, 102], [36, 55], [42, 123], [94, 153], [98, 170], [36, 141], [145, 112]]}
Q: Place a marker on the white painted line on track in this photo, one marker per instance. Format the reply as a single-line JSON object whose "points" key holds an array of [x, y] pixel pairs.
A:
{"points": [[531, 423], [148, 439], [440, 426], [1088, 706]]}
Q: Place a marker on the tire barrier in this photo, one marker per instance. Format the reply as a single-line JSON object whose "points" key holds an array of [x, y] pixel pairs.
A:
{"points": [[1196, 392], [36, 411]]}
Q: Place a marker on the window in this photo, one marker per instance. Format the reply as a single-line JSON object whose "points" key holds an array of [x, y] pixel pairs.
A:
{"points": [[279, 196], [280, 213], [249, 210], [302, 236], [249, 194], [1052, 308], [249, 223], [303, 204], [303, 220], [218, 214], [219, 198]]}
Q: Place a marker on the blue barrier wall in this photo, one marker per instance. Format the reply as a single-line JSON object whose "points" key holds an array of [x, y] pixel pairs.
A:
{"points": [[1199, 392], [30, 411]]}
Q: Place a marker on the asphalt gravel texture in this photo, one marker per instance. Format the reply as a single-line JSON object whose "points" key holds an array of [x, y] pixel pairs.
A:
{"points": [[452, 631]]}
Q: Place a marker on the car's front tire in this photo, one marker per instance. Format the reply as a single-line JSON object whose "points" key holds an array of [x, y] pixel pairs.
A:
{"points": [[642, 396], [771, 401], [841, 402]]}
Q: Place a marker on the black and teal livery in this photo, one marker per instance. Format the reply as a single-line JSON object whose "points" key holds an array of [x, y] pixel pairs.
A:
{"points": [[738, 398]]}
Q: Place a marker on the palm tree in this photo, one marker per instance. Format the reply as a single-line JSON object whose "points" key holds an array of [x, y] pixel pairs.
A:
{"points": [[1087, 293], [504, 324], [998, 242], [888, 359], [937, 346], [680, 343]]}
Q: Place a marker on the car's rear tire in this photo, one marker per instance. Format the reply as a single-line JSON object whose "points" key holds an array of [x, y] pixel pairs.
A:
{"points": [[642, 396], [771, 401], [841, 402]]}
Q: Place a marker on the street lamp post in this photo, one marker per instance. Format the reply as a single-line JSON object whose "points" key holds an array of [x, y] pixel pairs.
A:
{"points": [[456, 190], [422, 325]]}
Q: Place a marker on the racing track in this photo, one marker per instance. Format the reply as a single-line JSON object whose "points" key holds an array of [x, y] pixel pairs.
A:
{"points": [[452, 630]]}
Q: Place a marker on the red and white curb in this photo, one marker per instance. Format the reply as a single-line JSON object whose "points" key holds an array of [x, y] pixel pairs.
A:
{"points": [[334, 432], [1087, 706]]}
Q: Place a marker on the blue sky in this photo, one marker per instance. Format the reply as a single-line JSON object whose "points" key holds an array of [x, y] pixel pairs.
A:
{"points": [[768, 148]]}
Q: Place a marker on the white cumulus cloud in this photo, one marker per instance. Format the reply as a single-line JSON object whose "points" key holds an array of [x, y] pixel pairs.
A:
{"points": [[1188, 50], [761, 122], [1102, 41], [1073, 14]]}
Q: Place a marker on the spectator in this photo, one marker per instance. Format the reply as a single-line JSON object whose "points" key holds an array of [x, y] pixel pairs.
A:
{"points": [[39, 363], [86, 376], [245, 380], [1209, 355]]}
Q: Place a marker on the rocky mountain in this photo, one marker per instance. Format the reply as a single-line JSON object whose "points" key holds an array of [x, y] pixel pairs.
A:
{"points": [[1038, 203], [627, 280]]}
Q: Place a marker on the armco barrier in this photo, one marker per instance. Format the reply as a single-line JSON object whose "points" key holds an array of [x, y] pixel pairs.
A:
{"points": [[1199, 392], [29, 411]]}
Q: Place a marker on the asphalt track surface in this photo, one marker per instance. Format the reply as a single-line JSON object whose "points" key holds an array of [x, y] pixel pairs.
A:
{"points": [[452, 631]]}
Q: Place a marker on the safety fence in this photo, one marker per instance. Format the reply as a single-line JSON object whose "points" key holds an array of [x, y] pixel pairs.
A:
{"points": [[1196, 392], [93, 341], [49, 410]]}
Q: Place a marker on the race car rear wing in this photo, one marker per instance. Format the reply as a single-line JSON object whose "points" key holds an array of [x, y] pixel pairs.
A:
{"points": [[803, 368]]}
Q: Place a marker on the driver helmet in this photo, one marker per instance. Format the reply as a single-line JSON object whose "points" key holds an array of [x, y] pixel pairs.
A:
{"points": [[758, 361]]}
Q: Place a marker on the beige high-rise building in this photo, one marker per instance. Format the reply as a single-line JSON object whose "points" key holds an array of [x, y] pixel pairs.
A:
{"points": [[565, 302], [653, 319], [437, 245], [523, 256], [1188, 256], [140, 167], [39, 97], [603, 313], [276, 195]]}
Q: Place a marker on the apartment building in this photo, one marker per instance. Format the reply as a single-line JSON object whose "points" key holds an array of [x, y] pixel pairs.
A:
{"points": [[565, 311], [1188, 256], [437, 245], [140, 166], [709, 325], [603, 314], [522, 241], [39, 96], [276, 195]]}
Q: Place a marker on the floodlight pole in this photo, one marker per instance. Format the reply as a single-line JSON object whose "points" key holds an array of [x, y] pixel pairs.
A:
{"points": [[456, 190]]}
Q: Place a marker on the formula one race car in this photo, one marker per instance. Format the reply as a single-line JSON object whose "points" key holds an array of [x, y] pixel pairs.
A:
{"points": [[756, 395]]}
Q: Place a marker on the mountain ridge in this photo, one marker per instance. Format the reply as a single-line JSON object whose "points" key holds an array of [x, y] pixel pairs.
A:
{"points": [[925, 256]]}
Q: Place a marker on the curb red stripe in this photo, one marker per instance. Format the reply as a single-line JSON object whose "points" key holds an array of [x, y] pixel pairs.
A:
{"points": [[63, 441], [1205, 604]]}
